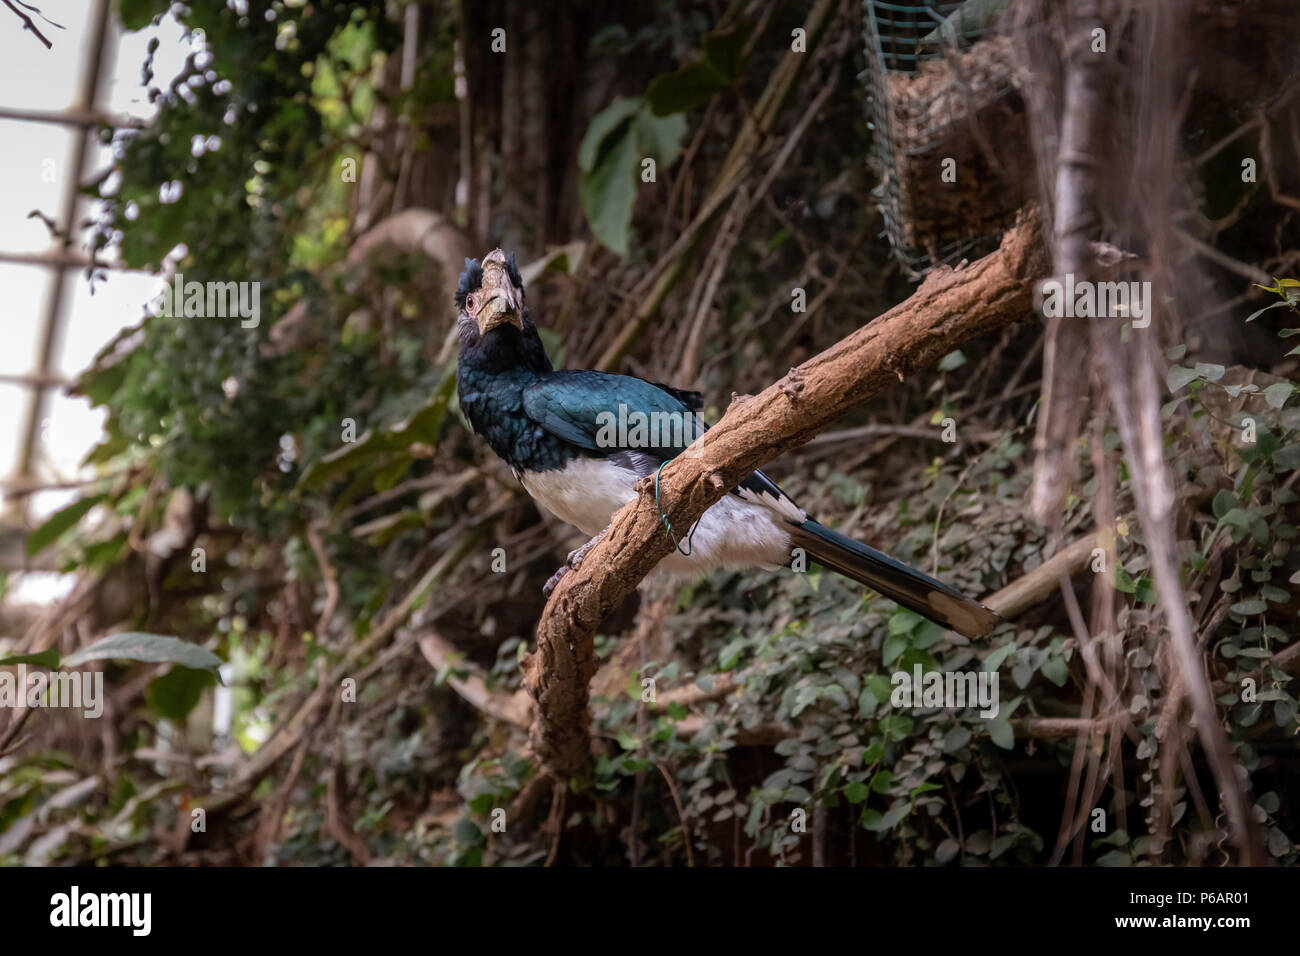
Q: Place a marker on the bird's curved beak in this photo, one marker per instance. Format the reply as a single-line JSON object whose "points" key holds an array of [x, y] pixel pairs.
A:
{"points": [[504, 304]]}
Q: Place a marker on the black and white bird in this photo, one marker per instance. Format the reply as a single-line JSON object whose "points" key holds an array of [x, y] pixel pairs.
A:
{"points": [[580, 440]]}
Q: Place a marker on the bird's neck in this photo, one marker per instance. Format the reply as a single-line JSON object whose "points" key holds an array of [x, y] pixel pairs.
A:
{"points": [[494, 371], [503, 349]]}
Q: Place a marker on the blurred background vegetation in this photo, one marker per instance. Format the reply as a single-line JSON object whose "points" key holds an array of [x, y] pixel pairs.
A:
{"points": [[347, 156]]}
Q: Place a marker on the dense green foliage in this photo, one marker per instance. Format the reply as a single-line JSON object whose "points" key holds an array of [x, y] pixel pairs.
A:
{"points": [[343, 460]]}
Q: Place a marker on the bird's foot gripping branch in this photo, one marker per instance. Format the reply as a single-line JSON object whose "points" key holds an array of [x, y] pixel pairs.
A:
{"points": [[574, 559], [951, 307]]}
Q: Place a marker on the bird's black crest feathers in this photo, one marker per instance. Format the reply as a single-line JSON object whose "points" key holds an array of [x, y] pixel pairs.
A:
{"points": [[470, 280]]}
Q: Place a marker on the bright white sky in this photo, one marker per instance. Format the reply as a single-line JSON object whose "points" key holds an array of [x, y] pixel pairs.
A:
{"points": [[34, 78]]}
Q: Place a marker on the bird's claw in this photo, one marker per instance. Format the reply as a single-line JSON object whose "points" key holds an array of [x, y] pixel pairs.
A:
{"points": [[574, 559], [553, 580]]}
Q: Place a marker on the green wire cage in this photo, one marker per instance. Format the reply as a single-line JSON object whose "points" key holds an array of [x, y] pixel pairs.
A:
{"points": [[948, 127]]}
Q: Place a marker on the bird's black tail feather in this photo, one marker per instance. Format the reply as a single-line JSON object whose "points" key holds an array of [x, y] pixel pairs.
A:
{"points": [[912, 589]]}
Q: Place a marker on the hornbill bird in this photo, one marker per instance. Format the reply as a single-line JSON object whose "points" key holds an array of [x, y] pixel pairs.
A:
{"points": [[551, 427]]}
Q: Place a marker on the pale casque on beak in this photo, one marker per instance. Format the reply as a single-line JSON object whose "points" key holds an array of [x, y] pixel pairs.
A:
{"points": [[498, 301]]}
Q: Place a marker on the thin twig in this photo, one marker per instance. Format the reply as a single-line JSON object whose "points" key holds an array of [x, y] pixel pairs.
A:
{"points": [[681, 814], [29, 25]]}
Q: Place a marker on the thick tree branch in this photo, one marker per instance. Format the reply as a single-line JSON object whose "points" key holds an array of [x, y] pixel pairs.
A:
{"points": [[951, 307], [1079, 169]]}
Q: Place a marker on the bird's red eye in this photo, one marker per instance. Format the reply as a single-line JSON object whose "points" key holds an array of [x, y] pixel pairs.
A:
{"points": [[470, 301]]}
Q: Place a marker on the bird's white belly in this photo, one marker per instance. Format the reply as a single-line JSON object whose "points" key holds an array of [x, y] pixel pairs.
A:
{"points": [[586, 492], [733, 533]]}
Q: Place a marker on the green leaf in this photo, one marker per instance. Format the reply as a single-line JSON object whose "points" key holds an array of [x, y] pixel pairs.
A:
{"points": [[385, 448], [1209, 371], [872, 819], [685, 89], [880, 686], [968, 20], [1275, 594], [955, 739], [912, 657], [59, 522], [730, 654], [100, 554], [1144, 589], [601, 126], [1279, 844], [995, 659], [1124, 580], [660, 136], [897, 812], [155, 648], [1277, 394], [1002, 844], [1284, 713], [1258, 312], [837, 694], [724, 49], [1001, 733], [1056, 670], [1252, 606], [856, 792], [904, 621], [392, 473], [48, 659], [882, 781], [896, 726], [608, 192], [927, 635], [895, 644], [1238, 519], [176, 693], [138, 14], [1224, 501], [1288, 458], [1180, 376], [954, 359], [557, 260]]}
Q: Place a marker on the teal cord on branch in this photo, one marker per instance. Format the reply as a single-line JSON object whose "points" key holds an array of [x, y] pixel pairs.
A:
{"points": [[668, 527]]}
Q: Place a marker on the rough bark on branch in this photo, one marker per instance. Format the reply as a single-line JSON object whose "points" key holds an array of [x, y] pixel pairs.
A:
{"points": [[951, 307]]}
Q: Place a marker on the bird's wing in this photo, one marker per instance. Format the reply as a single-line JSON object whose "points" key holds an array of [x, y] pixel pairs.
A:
{"points": [[570, 404], [581, 406]]}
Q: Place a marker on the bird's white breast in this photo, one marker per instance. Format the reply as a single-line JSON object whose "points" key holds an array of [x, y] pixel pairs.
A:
{"points": [[585, 492], [736, 532]]}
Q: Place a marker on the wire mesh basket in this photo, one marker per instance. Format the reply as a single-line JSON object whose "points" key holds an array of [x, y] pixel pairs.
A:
{"points": [[941, 100]]}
